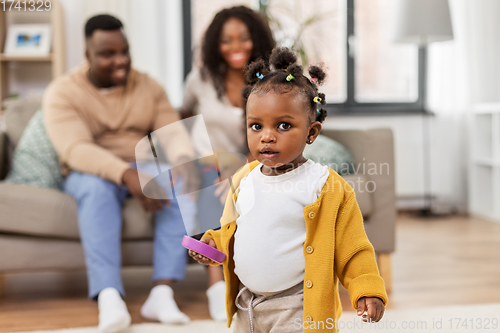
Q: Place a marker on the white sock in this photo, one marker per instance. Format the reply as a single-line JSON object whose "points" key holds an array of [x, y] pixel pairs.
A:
{"points": [[161, 306], [217, 301], [113, 313]]}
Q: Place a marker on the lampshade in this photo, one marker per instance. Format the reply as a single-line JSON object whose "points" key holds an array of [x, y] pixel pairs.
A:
{"points": [[422, 22]]}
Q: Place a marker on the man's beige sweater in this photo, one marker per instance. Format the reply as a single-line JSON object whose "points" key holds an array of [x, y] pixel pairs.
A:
{"points": [[96, 131]]}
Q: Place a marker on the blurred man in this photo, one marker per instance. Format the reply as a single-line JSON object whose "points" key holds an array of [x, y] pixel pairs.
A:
{"points": [[95, 116]]}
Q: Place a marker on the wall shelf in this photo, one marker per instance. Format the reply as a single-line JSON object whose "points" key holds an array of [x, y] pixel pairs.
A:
{"points": [[484, 166], [56, 58], [7, 57], [486, 162], [487, 108]]}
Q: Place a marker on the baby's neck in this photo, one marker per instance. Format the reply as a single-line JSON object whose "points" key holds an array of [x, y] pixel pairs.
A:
{"points": [[269, 171]]}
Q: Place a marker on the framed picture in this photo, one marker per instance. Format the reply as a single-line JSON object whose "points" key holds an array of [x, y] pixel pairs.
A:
{"points": [[28, 40]]}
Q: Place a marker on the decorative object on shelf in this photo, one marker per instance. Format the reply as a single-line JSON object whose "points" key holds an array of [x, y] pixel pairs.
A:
{"points": [[28, 40], [423, 22]]}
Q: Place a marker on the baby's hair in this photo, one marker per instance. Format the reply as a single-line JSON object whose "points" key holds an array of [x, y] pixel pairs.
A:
{"points": [[282, 75]]}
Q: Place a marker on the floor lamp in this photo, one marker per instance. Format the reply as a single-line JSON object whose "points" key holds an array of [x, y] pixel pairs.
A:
{"points": [[422, 22]]}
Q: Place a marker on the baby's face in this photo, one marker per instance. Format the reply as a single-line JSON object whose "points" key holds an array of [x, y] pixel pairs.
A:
{"points": [[277, 130]]}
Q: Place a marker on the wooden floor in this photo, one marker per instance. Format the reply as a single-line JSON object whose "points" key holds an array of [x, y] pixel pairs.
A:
{"points": [[438, 262]]}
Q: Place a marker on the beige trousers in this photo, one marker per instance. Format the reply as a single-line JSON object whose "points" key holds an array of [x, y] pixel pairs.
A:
{"points": [[269, 313]]}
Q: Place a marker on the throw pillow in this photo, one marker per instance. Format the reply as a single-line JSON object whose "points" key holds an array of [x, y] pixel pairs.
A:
{"points": [[330, 153], [35, 161]]}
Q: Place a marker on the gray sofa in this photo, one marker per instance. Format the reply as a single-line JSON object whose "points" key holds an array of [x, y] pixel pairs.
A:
{"points": [[39, 231]]}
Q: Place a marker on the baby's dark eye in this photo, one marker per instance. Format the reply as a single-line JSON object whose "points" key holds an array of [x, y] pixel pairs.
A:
{"points": [[255, 127], [284, 126]]}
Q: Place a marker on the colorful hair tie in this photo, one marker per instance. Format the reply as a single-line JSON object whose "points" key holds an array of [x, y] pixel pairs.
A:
{"points": [[314, 79], [317, 99], [318, 112], [290, 77], [260, 76]]}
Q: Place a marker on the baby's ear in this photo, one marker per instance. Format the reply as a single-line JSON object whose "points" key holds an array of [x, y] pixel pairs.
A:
{"points": [[314, 130]]}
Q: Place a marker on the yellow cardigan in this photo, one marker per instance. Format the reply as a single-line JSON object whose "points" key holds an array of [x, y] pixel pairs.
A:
{"points": [[336, 248]]}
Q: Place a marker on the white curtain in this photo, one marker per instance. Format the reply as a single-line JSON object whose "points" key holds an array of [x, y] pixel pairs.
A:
{"points": [[461, 73], [154, 30]]}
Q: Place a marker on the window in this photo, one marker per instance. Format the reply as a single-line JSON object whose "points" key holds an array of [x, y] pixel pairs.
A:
{"points": [[384, 72], [367, 72], [318, 33]]}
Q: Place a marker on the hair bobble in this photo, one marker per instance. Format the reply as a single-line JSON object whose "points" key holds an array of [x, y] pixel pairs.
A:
{"points": [[317, 99], [260, 76], [314, 79], [318, 112], [290, 77]]}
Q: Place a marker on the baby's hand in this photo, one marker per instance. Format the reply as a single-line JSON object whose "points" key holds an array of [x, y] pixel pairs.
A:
{"points": [[201, 259], [374, 308]]}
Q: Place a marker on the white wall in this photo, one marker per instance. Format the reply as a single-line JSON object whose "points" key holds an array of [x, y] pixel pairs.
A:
{"points": [[74, 22], [447, 167], [408, 150]]}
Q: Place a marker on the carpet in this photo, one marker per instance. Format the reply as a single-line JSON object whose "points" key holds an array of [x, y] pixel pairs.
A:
{"points": [[452, 319]]}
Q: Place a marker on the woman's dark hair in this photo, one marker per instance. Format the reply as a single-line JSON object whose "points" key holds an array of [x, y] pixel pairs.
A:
{"points": [[282, 75], [214, 65]]}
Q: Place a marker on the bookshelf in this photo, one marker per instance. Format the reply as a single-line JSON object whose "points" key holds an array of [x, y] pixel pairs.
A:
{"points": [[484, 168], [56, 58]]}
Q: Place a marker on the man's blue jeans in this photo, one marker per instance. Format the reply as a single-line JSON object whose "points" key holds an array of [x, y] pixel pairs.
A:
{"points": [[100, 222]]}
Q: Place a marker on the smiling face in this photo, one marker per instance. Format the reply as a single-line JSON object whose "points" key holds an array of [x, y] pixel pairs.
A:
{"points": [[236, 44], [109, 58], [278, 128]]}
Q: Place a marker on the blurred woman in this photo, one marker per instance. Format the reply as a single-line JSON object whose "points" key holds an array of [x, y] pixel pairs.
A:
{"points": [[236, 37]]}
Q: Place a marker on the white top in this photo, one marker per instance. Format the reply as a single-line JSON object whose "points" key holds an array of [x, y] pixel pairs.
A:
{"points": [[271, 229], [224, 122]]}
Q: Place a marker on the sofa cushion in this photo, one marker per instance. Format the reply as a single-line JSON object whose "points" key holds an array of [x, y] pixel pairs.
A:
{"points": [[34, 211], [35, 161], [330, 153], [363, 189], [18, 113], [36, 253], [137, 223], [37, 211]]}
